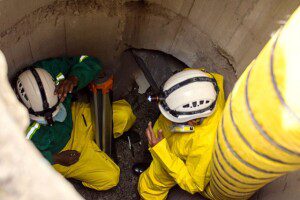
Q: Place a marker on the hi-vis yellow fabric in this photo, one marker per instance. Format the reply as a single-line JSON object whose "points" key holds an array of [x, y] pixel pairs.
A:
{"points": [[123, 117], [182, 158], [94, 168], [258, 138]]}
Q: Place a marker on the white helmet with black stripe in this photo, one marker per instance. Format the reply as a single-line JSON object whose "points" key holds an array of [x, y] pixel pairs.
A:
{"points": [[35, 89], [188, 95]]}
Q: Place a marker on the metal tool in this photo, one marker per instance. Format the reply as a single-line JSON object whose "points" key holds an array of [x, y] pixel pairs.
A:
{"points": [[130, 146], [102, 112]]}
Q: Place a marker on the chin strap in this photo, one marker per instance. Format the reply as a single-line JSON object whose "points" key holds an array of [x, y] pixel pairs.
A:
{"points": [[49, 118]]}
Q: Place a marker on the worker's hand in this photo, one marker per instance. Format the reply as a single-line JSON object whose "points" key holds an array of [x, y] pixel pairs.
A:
{"points": [[152, 139], [66, 158], [65, 87]]}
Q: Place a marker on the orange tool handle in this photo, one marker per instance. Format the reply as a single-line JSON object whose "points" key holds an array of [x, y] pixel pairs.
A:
{"points": [[105, 87]]}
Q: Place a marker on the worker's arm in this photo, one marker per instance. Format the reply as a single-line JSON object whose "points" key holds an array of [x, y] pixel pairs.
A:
{"points": [[85, 68], [179, 170], [175, 167], [42, 143], [71, 73], [65, 158], [48, 156]]}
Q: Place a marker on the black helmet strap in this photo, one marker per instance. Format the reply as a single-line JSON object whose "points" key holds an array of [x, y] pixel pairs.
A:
{"points": [[47, 112], [41, 88], [166, 93]]}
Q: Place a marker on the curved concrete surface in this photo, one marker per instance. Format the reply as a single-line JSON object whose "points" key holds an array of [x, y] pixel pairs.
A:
{"points": [[199, 33], [223, 36]]}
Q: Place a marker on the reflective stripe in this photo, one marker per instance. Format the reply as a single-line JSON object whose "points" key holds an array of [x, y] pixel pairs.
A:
{"points": [[59, 78], [82, 58], [32, 130]]}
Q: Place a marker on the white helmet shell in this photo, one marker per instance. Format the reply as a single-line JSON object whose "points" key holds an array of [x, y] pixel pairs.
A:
{"points": [[29, 92], [193, 95]]}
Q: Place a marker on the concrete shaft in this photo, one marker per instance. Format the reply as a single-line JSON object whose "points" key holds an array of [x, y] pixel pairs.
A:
{"points": [[220, 35]]}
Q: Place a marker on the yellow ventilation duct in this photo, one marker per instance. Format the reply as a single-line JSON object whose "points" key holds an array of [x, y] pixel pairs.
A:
{"points": [[258, 138]]}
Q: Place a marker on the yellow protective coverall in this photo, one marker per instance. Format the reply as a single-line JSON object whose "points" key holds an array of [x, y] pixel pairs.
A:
{"points": [[182, 158], [123, 117], [95, 169]]}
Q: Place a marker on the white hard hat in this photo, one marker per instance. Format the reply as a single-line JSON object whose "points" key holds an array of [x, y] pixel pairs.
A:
{"points": [[35, 89], [188, 95]]}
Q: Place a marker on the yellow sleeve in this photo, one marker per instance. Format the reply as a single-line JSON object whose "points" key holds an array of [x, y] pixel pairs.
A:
{"points": [[174, 166]]}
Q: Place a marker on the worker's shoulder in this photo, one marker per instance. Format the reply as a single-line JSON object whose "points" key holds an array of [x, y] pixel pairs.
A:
{"points": [[32, 130], [36, 130], [83, 57], [65, 61]]}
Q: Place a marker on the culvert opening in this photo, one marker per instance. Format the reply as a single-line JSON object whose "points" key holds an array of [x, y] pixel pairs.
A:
{"points": [[142, 72]]}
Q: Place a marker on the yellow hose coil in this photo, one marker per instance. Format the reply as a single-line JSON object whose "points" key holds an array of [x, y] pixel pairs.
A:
{"points": [[258, 138]]}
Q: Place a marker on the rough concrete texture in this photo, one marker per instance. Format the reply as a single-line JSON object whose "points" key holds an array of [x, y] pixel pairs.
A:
{"points": [[222, 36], [115, 25], [240, 28], [227, 32], [285, 187], [23, 172]]}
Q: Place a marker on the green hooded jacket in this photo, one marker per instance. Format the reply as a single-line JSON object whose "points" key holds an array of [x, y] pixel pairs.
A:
{"points": [[50, 140]]}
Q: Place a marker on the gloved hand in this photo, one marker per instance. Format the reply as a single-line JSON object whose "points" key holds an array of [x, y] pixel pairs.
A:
{"points": [[152, 139], [65, 87], [66, 158]]}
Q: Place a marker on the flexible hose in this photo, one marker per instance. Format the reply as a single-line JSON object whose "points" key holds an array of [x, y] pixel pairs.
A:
{"points": [[258, 138]]}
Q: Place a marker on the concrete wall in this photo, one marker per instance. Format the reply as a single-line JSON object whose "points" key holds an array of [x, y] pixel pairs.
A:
{"points": [[239, 27], [198, 32], [284, 188], [223, 36], [209, 33]]}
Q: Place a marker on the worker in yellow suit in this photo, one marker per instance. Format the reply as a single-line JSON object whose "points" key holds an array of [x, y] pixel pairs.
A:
{"points": [[181, 142], [94, 166], [61, 129]]}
